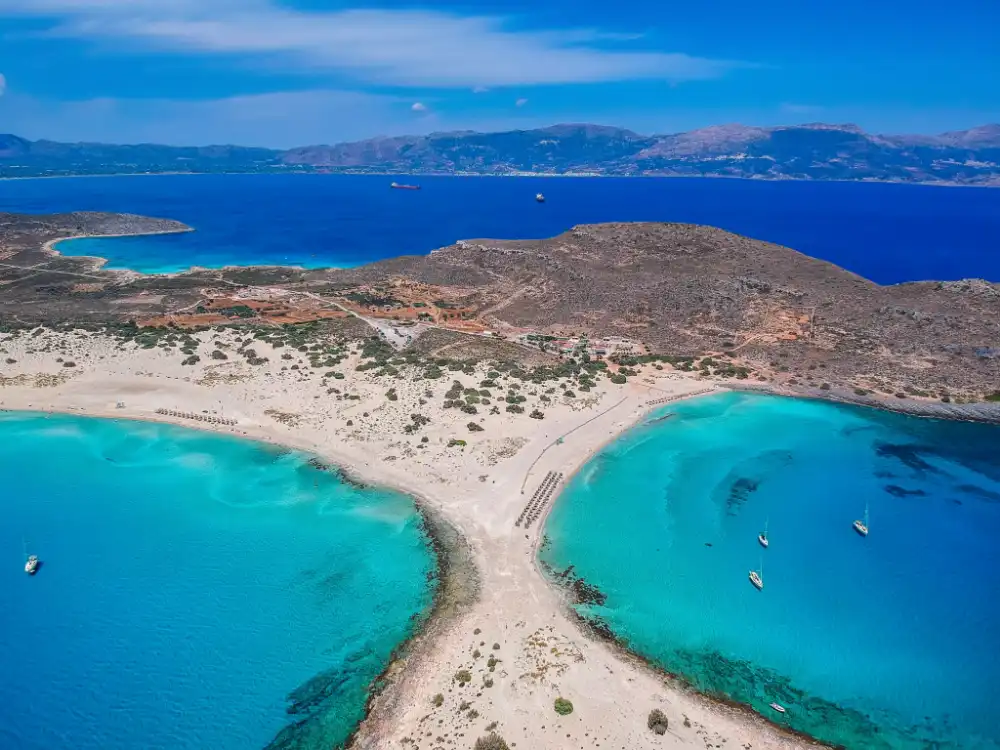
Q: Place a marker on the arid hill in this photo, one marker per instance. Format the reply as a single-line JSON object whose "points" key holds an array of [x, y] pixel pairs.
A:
{"points": [[679, 289], [688, 289]]}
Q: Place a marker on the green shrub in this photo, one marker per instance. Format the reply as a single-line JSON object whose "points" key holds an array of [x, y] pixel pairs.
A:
{"points": [[463, 676], [437, 700], [474, 427], [657, 721], [563, 707], [492, 741]]}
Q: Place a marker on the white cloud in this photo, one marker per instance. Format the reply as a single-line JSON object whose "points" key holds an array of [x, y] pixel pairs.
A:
{"points": [[281, 120], [3, 84], [390, 47], [520, 102], [419, 107]]}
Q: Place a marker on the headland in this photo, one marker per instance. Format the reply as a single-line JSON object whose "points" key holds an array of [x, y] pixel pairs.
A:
{"points": [[478, 379]]}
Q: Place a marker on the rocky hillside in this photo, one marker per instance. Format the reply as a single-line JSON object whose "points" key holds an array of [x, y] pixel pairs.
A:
{"points": [[684, 289], [818, 151], [681, 290]]}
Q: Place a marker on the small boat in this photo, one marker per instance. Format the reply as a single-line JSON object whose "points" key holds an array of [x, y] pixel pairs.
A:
{"points": [[862, 526], [539, 197], [762, 537], [778, 707], [31, 561], [399, 186], [757, 579]]}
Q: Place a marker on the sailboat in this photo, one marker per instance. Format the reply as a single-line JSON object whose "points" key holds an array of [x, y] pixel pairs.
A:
{"points": [[757, 579], [31, 562], [762, 537], [862, 526]]}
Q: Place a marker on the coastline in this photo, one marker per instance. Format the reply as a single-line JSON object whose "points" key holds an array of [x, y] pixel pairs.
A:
{"points": [[469, 496], [570, 175], [97, 262], [982, 412], [604, 635], [455, 572]]}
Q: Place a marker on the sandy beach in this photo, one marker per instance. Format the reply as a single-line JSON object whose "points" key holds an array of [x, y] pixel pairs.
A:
{"points": [[515, 640]]}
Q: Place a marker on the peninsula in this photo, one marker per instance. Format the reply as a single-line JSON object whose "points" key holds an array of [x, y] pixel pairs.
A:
{"points": [[478, 379]]}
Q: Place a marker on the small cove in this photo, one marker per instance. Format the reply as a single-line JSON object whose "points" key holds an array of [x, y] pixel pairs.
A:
{"points": [[196, 590], [885, 642]]}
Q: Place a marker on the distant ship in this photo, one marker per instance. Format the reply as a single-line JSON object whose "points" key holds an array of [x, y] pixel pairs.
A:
{"points": [[762, 537], [539, 197], [398, 186], [31, 564], [862, 526], [778, 707], [757, 579]]}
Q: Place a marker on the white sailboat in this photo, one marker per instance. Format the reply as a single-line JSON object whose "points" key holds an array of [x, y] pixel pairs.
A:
{"points": [[762, 537], [31, 561], [757, 579], [862, 526]]}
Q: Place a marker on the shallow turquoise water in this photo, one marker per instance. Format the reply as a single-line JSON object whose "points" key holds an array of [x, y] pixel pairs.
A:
{"points": [[887, 233], [194, 589], [887, 642]]}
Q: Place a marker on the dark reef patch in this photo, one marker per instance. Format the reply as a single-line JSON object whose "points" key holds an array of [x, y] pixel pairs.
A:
{"points": [[897, 491], [748, 476], [739, 492], [980, 492], [580, 591], [909, 455]]}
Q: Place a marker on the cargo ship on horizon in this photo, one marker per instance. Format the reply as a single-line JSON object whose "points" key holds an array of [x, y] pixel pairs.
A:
{"points": [[399, 186]]}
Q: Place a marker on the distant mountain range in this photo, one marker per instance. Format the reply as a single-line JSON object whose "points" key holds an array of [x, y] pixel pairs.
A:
{"points": [[812, 152]]}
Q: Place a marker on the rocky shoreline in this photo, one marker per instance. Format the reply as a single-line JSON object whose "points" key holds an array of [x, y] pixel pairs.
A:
{"points": [[984, 412]]}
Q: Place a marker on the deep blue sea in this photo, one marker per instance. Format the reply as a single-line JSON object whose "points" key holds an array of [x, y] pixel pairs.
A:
{"points": [[885, 642], [888, 233], [194, 588]]}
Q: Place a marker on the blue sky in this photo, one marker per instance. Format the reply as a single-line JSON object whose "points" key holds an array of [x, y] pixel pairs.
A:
{"points": [[293, 72]]}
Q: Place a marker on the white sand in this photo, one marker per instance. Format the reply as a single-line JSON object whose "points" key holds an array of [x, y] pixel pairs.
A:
{"points": [[542, 653]]}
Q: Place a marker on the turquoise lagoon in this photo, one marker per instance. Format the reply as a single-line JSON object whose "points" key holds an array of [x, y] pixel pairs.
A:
{"points": [[197, 591], [892, 641]]}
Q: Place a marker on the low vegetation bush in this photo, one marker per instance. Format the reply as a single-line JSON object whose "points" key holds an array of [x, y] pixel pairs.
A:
{"points": [[657, 721], [492, 741], [474, 427], [563, 707], [463, 676]]}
